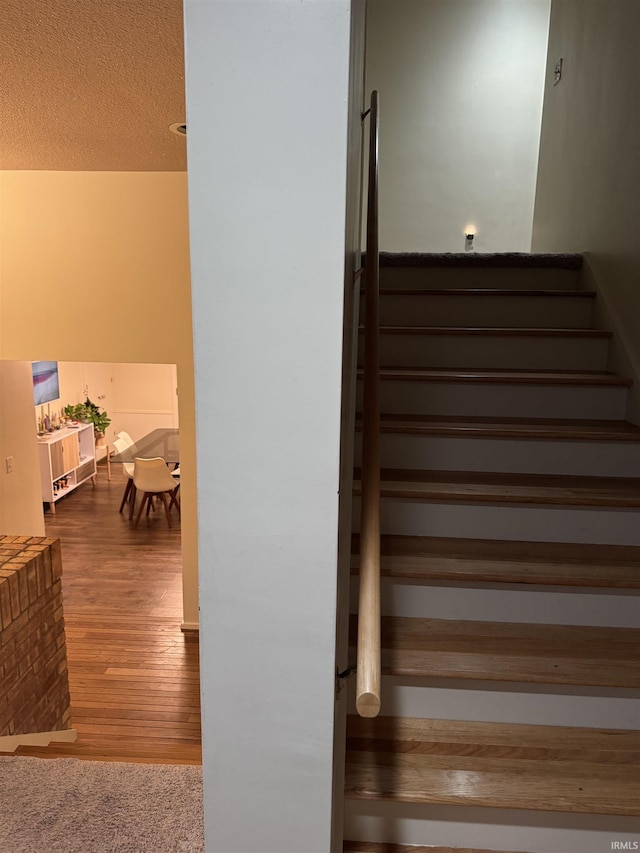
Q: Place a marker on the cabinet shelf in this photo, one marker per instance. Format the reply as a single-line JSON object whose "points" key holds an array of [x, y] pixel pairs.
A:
{"points": [[69, 454]]}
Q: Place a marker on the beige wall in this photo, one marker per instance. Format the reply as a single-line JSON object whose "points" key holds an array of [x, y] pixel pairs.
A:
{"points": [[588, 193], [20, 495], [144, 397], [95, 267], [137, 397]]}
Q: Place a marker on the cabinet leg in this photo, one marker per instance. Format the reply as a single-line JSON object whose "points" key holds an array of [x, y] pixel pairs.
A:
{"points": [[52, 507]]}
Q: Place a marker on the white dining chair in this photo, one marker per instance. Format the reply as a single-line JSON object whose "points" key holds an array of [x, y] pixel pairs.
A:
{"points": [[175, 473], [124, 435], [154, 479], [127, 469]]}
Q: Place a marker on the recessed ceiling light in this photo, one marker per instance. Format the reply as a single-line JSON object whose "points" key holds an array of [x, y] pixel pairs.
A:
{"points": [[179, 128]]}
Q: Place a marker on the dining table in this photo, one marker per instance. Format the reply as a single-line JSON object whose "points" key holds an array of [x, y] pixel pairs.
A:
{"points": [[164, 442]]}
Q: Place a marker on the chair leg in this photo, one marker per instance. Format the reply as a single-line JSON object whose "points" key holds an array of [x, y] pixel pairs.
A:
{"points": [[127, 489], [175, 501], [146, 497], [163, 498], [132, 500]]}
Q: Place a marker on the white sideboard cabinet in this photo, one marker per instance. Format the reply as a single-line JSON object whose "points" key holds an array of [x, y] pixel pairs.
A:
{"points": [[67, 459]]}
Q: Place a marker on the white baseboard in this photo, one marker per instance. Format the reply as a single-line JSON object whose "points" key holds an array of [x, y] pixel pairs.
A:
{"points": [[10, 743]]}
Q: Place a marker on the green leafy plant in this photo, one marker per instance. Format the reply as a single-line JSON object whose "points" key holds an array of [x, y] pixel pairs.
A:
{"points": [[77, 412], [89, 413], [98, 417]]}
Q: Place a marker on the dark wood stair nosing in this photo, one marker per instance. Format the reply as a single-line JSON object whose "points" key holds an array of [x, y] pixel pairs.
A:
{"points": [[382, 847], [488, 561], [486, 291], [532, 767], [488, 376], [508, 652], [542, 429], [496, 332], [488, 487], [490, 260]]}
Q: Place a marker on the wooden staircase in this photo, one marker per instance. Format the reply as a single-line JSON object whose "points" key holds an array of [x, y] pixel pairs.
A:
{"points": [[511, 562]]}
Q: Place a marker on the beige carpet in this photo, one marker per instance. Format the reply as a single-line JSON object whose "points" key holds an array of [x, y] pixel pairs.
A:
{"points": [[65, 805]]}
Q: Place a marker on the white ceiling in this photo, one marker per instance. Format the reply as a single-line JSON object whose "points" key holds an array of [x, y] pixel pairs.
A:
{"points": [[91, 85]]}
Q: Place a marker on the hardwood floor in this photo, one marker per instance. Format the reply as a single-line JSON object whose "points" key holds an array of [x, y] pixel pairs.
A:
{"points": [[133, 674]]}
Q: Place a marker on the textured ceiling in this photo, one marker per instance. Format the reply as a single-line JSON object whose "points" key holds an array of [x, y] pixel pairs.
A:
{"points": [[91, 84]]}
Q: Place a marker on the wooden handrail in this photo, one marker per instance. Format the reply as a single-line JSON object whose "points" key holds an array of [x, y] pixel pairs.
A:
{"points": [[368, 667]]}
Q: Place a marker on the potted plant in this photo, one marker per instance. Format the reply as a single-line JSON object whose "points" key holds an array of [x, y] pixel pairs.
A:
{"points": [[98, 417], [76, 412]]}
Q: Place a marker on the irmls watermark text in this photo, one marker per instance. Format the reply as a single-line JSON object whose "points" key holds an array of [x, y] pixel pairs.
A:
{"points": [[625, 845]]}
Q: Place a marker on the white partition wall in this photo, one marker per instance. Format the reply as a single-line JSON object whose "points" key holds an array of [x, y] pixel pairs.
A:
{"points": [[267, 114]]}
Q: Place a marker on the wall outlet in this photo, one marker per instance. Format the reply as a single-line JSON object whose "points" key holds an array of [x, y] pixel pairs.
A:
{"points": [[8, 462]]}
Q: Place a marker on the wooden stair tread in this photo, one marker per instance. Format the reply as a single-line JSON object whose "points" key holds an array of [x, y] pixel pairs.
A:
{"points": [[503, 377], [494, 331], [504, 561], [382, 847], [564, 429], [498, 765], [510, 651], [491, 487], [496, 260], [486, 291]]}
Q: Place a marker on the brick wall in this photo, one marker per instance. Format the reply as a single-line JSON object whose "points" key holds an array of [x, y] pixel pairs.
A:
{"points": [[34, 684]]}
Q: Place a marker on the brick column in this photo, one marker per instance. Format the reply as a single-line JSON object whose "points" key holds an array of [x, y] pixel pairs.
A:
{"points": [[34, 684]]}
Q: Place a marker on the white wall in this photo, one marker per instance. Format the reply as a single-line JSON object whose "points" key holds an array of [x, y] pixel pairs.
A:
{"points": [[461, 85], [588, 194], [267, 94], [20, 493]]}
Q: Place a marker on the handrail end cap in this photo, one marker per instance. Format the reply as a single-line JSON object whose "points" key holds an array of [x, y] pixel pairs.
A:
{"points": [[368, 705]]}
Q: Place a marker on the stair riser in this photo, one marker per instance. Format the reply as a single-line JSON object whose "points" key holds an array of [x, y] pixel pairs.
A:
{"points": [[491, 829], [507, 521], [519, 604], [544, 312], [441, 278], [487, 701], [599, 459], [498, 400], [519, 353]]}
